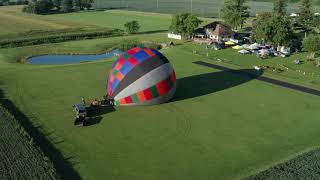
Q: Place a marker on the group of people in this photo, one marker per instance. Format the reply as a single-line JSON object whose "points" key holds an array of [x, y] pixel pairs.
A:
{"points": [[81, 109], [107, 100]]}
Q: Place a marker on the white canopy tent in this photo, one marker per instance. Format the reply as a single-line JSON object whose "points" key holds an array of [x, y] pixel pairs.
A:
{"points": [[243, 51], [254, 46]]}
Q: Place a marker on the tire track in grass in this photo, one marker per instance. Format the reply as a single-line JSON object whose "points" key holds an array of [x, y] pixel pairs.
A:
{"points": [[183, 123]]}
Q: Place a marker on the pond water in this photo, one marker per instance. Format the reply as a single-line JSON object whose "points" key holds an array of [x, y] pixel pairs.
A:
{"points": [[71, 59]]}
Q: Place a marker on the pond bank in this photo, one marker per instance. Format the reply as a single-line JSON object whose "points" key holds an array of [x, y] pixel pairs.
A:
{"points": [[71, 59]]}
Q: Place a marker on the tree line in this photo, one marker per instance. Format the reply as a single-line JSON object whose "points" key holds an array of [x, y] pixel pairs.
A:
{"points": [[273, 27], [51, 6], [276, 27], [11, 3]]}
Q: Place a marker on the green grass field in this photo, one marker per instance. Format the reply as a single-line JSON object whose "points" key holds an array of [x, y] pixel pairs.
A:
{"points": [[306, 73], [219, 126], [202, 8], [17, 25], [117, 19]]}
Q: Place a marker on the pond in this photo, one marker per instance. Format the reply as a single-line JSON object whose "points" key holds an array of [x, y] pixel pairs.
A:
{"points": [[71, 59]]}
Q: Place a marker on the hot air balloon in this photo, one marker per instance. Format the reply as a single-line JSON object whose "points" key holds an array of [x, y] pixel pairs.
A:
{"points": [[141, 76]]}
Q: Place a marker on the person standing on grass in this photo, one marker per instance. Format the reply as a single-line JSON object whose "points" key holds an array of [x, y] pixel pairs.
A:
{"points": [[83, 101]]}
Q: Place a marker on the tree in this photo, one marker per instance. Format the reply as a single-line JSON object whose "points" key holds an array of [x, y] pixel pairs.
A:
{"points": [[184, 24], [316, 21], [39, 7], [311, 43], [274, 29], [57, 4], [306, 16], [279, 7], [282, 30], [263, 28], [235, 12], [66, 5], [305, 13], [191, 24], [132, 27], [30, 8], [86, 4], [76, 5]]}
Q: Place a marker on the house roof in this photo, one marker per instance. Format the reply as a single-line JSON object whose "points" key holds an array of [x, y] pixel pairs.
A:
{"points": [[222, 30], [212, 25], [217, 28]]}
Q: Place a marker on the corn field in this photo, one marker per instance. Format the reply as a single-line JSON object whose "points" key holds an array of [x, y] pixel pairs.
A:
{"points": [[19, 157]]}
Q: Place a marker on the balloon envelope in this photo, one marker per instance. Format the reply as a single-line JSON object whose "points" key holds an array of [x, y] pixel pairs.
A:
{"points": [[141, 76]]}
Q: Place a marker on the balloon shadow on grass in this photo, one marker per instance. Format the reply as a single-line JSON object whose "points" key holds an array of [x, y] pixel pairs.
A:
{"points": [[203, 84]]}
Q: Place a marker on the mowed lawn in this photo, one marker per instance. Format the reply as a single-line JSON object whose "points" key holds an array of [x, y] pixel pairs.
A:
{"points": [[305, 73], [219, 126]]}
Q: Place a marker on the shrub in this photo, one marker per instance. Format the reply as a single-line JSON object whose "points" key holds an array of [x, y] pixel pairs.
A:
{"points": [[39, 7], [60, 37], [132, 27], [312, 43]]}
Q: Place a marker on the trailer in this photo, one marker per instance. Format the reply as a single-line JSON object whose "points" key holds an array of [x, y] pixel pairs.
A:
{"points": [[81, 115]]}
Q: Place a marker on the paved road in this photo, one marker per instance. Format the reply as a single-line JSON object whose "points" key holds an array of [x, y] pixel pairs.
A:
{"points": [[265, 79]]}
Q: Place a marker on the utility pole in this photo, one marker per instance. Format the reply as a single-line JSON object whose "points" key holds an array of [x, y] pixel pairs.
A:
{"points": [[191, 7], [157, 4]]}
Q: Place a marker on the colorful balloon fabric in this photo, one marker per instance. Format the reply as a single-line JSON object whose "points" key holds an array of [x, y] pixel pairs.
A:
{"points": [[141, 76]]}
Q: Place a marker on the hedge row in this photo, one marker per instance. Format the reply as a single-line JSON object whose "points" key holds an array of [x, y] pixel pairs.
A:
{"points": [[126, 45], [55, 38]]}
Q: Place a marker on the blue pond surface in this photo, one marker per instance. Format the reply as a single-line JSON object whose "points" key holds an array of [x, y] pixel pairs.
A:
{"points": [[71, 59]]}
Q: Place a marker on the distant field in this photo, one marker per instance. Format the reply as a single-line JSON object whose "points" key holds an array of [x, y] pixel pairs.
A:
{"points": [[117, 18], [203, 8], [12, 20]]}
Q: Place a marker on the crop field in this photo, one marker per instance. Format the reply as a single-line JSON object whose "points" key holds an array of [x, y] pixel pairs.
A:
{"points": [[117, 18], [17, 28], [203, 8], [303, 166], [219, 125], [20, 159], [12, 20]]}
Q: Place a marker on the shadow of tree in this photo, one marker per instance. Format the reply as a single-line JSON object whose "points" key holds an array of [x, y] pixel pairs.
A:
{"points": [[203, 84]]}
